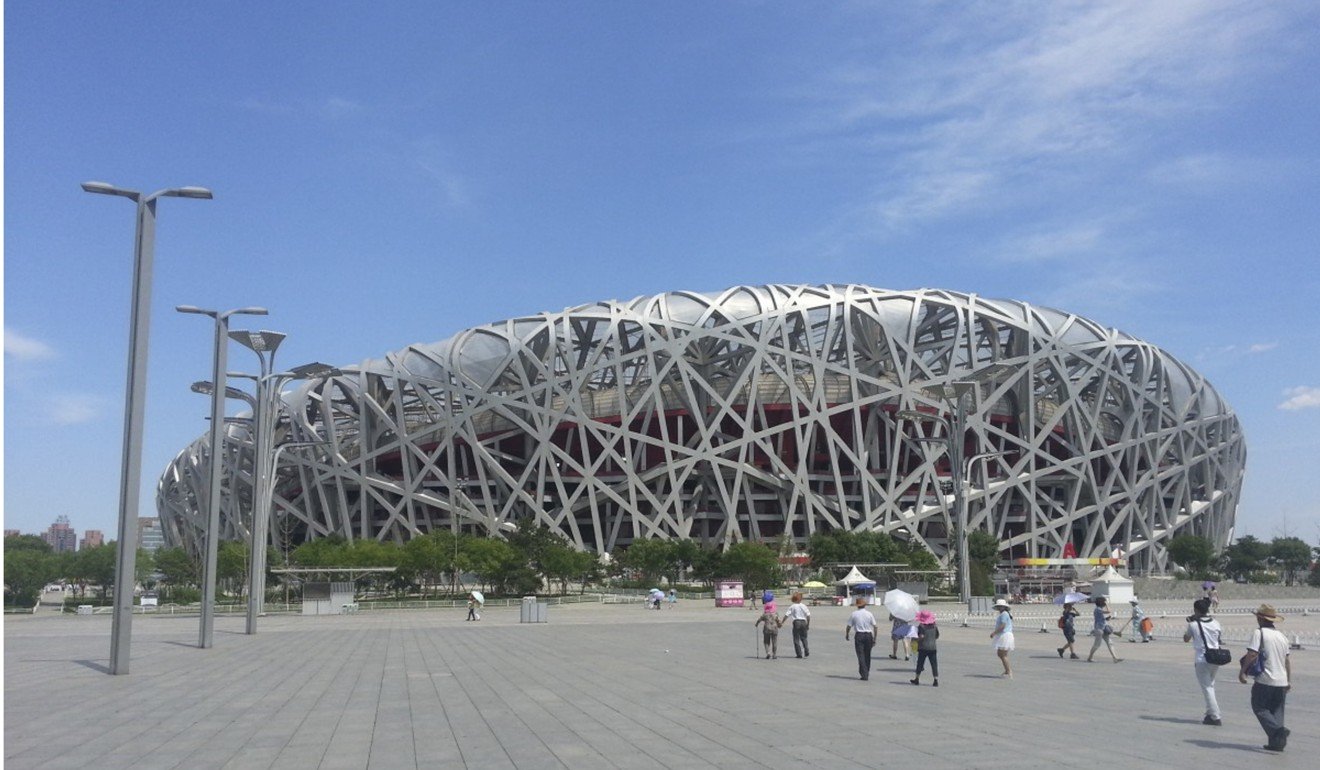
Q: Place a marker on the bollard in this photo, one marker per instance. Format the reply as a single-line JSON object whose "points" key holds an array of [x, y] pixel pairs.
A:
{"points": [[1043, 629], [964, 621], [1296, 643]]}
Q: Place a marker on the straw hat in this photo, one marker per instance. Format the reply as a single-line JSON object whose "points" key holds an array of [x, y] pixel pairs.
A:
{"points": [[1134, 600], [1001, 603], [1267, 612]]}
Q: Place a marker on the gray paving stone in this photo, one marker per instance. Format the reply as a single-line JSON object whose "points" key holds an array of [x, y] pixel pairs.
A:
{"points": [[601, 686]]}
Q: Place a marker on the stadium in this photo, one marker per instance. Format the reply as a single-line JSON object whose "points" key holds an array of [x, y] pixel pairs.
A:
{"points": [[750, 414]]}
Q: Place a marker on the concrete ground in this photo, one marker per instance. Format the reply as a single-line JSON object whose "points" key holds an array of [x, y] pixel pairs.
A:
{"points": [[603, 686]]}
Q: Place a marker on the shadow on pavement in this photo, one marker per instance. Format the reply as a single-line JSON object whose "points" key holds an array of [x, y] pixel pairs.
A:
{"points": [[1254, 749], [93, 665], [1174, 720]]}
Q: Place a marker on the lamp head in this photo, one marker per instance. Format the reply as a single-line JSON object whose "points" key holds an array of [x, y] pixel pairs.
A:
{"points": [[187, 192], [258, 342]]}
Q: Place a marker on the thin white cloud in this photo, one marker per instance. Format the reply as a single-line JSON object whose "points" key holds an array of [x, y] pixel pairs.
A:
{"points": [[1302, 397], [432, 159], [23, 348], [338, 107], [1235, 351], [1196, 173], [1026, 92], [1046, 245], [75, 408]]}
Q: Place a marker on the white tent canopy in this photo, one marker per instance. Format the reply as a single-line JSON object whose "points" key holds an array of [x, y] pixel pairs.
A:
{"points": [[854, 577]]}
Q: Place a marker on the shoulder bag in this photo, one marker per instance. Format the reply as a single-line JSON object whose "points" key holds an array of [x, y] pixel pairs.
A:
{"points": [[1217, 656]]}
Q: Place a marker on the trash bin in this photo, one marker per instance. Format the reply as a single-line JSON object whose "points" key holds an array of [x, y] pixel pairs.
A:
{"points": [[532, 611]]}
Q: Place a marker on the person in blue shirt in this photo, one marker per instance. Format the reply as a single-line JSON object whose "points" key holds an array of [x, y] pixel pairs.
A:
{"points": [[1100, 629]]}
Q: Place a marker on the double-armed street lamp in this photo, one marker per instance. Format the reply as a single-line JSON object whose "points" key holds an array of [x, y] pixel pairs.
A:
{"points": [[130, 475], [266, 453], [215, 470], [951, 438]]}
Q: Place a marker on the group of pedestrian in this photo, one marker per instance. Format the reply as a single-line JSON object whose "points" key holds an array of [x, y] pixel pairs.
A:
{"points": [[1265, 665], [861, 629], [797, 613]]}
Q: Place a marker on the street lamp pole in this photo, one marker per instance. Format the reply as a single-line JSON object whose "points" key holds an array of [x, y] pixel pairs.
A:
{"points": [[954, 431], [265, 459], [219, 386], [135, 392]]}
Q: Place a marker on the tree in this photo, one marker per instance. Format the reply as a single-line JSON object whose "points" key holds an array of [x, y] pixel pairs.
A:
{"points": [[708, 565], [1314, 578], [559, 561], [843, 547], [95, 566], [497, 564], [231, 567], [429, 556], [177, 569], [1292, 554], [648, 558], [756, 564], [983, 551], [28, 568], [1244, 557], [1192, 552]]}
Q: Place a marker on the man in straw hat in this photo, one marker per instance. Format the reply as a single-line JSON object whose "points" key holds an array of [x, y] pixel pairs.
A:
{"points": [[1269, 646]]}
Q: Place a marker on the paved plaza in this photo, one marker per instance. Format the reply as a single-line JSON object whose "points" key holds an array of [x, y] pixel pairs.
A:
{"points": [[603, 686]]}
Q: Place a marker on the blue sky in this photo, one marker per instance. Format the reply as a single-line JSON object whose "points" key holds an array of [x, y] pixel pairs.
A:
{"points": [[391, 173]]}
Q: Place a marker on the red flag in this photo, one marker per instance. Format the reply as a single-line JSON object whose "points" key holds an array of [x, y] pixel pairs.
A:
{"points": [[1069, 552]]}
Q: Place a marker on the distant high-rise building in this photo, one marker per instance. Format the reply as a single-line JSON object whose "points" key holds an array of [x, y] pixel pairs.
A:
{"points": [[61, 536], [12, 533], [92, 538], [150, 535]]}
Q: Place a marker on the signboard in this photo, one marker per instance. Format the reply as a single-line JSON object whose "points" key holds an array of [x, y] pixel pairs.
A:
{"points": [[728, 593]]}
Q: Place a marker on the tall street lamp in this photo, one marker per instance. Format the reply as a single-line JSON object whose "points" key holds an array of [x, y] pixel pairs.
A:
{"points": [[219, 388], [257, 582], [130, 471], [265, 454], [951, 439]]}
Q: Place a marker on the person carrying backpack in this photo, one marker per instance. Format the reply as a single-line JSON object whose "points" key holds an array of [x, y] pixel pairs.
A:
{"points": [[1069, 631]]}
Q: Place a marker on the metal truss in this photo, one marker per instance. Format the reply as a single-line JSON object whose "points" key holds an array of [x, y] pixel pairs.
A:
{"points": [[752, 413]]}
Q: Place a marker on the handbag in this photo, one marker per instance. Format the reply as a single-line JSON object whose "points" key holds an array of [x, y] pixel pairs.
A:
{"points": [[1217, 656], [1257, 666]]}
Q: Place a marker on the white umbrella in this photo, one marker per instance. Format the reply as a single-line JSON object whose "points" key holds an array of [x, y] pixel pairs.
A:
{"points": [[1071, 598], [480, 597], [901, 604]]}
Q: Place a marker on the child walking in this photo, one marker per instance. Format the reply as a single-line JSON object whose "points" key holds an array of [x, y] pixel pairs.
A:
{"points": [[927, 634]]}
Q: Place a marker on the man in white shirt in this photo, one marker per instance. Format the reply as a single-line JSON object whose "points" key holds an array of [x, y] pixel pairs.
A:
{"points": [[1272, 683], [861, 624], [801, 617]]}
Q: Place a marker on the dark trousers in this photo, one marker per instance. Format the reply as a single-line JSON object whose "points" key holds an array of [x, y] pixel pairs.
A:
{"points": [[1267, 703], [862, 644], [925, 655], [800, 637]]}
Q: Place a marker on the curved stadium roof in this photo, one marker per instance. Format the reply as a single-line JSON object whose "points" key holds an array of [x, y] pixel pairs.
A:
{"points": [[751, 413]]}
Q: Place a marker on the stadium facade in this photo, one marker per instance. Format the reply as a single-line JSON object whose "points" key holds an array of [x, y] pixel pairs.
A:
{"points": [[752, 413]]}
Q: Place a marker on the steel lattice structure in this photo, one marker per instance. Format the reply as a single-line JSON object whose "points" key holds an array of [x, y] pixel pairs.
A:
{"points": [[747, 414]]}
